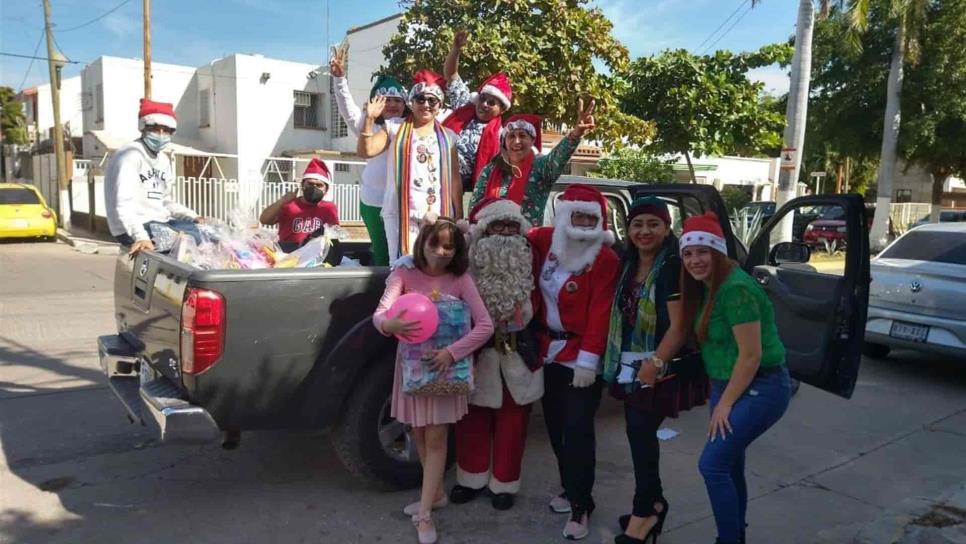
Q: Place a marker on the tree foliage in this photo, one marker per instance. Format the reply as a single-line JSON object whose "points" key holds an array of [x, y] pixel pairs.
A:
{"points": [[706, 104], [634, 164], [547, 47], [12, 122]]}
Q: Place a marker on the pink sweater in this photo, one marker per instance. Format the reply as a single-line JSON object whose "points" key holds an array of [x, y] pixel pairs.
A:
{"points": [[406, 280]]}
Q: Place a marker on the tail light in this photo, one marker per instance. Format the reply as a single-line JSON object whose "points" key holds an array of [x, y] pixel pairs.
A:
{"points": [[46, 214], [202, 330]]}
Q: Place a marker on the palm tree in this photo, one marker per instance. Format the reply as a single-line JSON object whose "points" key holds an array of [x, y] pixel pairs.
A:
{"points": [[908, 17]]}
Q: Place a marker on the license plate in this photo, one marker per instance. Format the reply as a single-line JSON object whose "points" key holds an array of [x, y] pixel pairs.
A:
{"points": [[20, 223], [909, 331]]}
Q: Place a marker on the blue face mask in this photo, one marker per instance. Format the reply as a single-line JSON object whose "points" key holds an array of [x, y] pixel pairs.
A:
{"points": [[156, 142]]}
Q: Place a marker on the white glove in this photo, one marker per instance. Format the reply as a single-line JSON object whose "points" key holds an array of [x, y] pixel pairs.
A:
{"points": [[583, 377], [406, 261]]}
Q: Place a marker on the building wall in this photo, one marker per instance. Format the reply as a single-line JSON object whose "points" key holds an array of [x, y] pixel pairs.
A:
{"points": [[70, 108]]}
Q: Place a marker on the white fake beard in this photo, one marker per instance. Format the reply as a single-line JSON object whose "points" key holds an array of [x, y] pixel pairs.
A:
{"points": [[576, 248], [503, 269]]}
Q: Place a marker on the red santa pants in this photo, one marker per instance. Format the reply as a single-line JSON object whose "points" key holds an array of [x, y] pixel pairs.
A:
{"points": [[502, 431]]}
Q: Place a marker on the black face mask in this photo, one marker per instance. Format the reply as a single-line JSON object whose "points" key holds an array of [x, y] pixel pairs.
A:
{"points": [[312, 193]]}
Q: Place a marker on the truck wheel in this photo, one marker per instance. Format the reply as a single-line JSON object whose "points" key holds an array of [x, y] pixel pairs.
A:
{"points": [[876, 351], [369, 442]]}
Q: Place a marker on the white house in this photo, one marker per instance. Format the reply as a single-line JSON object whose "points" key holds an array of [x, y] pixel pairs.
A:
{"points": [[39, 109], [757, 176]]}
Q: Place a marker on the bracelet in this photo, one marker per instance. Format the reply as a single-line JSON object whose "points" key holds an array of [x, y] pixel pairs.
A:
{"points": [[365, 134]]}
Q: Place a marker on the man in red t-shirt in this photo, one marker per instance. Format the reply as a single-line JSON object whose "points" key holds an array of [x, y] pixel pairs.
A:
{"points": [[299, 216]]}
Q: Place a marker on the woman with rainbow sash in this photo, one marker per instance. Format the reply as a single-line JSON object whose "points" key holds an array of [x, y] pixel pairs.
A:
{"points": [[422, 178]]}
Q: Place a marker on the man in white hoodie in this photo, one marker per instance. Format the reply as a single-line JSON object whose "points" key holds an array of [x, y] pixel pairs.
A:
{"points": [[139, 180]]}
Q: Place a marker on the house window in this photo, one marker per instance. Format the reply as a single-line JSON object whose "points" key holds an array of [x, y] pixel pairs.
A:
{"points": [[903, 195], [307, 112], [99, 103], [204, 108], [342, 167], [339, 127]]}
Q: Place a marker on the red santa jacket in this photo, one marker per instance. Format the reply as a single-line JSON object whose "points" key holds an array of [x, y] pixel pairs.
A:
{"points": [[584, 303]]}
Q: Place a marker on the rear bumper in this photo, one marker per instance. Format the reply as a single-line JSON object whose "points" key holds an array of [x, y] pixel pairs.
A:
{"points": [[153, 401], [946, 336], [9, 229]]}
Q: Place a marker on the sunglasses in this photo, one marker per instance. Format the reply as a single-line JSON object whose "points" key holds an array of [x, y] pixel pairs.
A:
{"points": [[432, 101], [505, 226]]}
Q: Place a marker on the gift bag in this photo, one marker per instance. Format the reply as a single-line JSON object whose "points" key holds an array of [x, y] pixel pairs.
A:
{"points": [[418, 377]]}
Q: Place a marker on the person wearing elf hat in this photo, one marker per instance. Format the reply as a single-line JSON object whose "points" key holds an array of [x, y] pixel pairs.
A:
{"points": [[734, 322], [422, 175], [508, 375], [517, 173], [139, 181], [576, 272], [299, 215], [476, 117], [373, 184]]}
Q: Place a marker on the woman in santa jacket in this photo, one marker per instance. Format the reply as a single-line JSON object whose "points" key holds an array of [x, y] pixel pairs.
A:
{"points": [[576, 273]]}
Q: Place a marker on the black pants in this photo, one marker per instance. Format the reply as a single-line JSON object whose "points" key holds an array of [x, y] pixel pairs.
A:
{"points": [[646, 453], [569, 414]]}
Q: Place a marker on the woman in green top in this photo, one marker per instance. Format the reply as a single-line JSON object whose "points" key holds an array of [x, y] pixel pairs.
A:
{"points": [[735, 325]]}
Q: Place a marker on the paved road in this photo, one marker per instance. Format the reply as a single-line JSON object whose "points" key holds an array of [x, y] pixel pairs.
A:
{"points": [[72, 470]]}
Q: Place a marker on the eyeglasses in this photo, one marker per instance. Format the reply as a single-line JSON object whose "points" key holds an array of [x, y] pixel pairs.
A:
{"points": [[507, 227], [489, 101], [432, 101]]}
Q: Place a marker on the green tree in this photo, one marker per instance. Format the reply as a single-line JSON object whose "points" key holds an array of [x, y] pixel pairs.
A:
{"points": [[633, 164], [547, 47], [935, 136], [705, 104], [12, 122]]}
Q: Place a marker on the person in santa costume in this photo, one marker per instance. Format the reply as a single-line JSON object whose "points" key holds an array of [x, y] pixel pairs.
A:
{"points": [[477, 117], [577, 275], [422, 176], [517, 173], [298, 216], [491, 438], [139, 181]]}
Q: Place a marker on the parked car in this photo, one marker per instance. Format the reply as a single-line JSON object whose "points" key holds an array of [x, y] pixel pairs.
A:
{"points": [[945, 216], [918, 294], [202, 355], [24, 213], [765, 207]]}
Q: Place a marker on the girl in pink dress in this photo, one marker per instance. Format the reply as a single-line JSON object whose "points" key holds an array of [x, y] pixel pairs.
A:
{"points": [[441, 261]]}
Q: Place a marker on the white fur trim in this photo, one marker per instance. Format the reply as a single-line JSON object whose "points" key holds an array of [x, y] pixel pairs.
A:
{"points": [[574, 254], [487, 383], [565, 208], [502, 209], [160, 119], [472, 480], [497, 486], [319, 177], [392, 92], [588, 360], [706, 239], [495, 93]]}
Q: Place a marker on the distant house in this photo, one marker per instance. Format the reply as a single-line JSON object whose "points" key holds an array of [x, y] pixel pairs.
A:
{"points": [[39, 109]]}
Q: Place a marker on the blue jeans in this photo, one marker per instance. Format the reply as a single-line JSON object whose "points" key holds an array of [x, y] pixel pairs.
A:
{"points": [[722, 462], [180, 225]]}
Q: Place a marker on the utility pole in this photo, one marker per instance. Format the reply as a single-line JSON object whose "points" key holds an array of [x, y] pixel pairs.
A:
{"points": [[147, 48], [55, 63]]}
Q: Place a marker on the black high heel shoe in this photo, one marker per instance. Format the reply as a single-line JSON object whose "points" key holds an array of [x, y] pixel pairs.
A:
{"points": [[651, 535]]}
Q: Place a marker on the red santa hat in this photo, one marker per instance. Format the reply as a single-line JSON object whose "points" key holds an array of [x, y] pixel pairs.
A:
{"points": [[497, 86], [426, 81], [703, 230], [156, 113], [528, 122], [317, 170], [575, 247], [492, 209]]}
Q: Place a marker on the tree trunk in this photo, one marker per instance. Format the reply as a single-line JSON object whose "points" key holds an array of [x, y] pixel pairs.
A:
{"points": [[797, 110], [939, 177], [687, 157], [879, 237]]}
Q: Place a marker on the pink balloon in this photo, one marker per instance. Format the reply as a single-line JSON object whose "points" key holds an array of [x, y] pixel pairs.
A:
{"points": [[419, 308]]}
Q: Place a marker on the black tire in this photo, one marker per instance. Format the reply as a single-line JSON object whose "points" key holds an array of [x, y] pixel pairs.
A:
{"points": [[876, 351], [357, 439]]}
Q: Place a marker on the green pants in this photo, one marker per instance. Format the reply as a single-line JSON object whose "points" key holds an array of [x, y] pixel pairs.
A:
{"points": [[372, 217]]}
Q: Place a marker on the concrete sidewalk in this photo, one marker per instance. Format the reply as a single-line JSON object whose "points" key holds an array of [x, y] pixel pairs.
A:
{"points": [[921, 520], [85, 241]]}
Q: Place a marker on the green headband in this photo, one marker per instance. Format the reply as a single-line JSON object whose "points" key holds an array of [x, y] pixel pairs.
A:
{"points": [[387, 85]]}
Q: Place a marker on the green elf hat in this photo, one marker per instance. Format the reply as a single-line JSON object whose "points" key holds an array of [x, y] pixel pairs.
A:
{"points": [[387, 85]]}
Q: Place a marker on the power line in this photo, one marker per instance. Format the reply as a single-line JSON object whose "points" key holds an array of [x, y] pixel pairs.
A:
{"points": [[31, 65], [730, 28], [723, 23], [98, 18], [35, 57]]}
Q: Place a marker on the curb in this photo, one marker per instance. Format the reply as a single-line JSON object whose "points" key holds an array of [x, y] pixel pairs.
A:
{"points": [[84, 244]]}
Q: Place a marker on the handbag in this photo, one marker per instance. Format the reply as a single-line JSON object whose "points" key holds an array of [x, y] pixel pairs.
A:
{"points": [[418, 377]]}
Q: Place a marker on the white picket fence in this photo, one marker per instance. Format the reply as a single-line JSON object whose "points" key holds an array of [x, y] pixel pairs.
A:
{"points": [[220, 197]]}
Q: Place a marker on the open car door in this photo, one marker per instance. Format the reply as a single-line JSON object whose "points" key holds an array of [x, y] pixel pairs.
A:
{"points": [[819, 286]]}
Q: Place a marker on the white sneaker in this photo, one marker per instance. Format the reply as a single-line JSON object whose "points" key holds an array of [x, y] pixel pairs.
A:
{"points": [[560, 504], [578, 526], [413, 508]]}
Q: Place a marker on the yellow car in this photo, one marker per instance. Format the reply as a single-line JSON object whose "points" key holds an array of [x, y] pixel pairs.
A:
{"points": [[24, 214]]}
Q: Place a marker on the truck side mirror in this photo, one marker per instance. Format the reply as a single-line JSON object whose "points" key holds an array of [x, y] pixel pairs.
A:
{"points": [[789, 252]]}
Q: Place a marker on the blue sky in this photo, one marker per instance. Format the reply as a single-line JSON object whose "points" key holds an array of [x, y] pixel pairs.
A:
{"points": [[194, 32]]}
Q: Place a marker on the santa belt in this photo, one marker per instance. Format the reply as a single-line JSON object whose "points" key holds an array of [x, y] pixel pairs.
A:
{"points": [[503, 342], [557, 335]]}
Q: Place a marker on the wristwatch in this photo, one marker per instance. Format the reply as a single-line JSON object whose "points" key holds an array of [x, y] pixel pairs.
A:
{"points": [[659, 365]]}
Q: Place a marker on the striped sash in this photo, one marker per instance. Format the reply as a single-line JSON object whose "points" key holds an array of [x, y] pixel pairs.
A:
{"points": [[402, 162]]}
